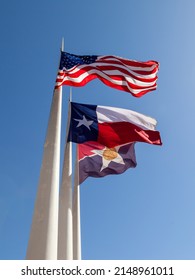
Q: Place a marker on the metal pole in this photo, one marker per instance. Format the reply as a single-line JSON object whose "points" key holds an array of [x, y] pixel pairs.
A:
{"points": [[65, 241], [76, 215], [43, 241]]}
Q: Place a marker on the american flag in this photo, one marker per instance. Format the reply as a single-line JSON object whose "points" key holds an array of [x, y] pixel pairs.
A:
{"points": [[131, 76]]}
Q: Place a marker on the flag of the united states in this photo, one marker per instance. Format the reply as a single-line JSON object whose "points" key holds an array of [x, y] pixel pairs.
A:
{"points": [[132, 76]]}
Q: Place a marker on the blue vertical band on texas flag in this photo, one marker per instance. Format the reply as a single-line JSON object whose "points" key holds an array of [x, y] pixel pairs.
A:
{"points": [[84, 124]]}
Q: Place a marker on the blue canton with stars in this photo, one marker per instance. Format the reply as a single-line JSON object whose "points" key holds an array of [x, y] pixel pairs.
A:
{"points": [[68, 60], [83, 123]]}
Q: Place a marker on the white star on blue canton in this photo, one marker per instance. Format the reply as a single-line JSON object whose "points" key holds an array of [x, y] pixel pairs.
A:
{"points": [[84, 122]]}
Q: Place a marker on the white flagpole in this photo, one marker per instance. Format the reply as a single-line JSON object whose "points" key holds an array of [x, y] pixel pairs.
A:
{"points": [[43, 239], [76, 215], [65, 240]]}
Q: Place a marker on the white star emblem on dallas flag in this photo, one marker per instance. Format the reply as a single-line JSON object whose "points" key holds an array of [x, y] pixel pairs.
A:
{"points": [[84, 122], [108, 155]]}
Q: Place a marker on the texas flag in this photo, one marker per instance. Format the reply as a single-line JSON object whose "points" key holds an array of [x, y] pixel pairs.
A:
{"points": [[111, 126], [96, 160]]}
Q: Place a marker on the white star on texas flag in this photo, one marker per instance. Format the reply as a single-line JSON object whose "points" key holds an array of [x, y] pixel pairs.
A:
{"points": [[84, 122]]}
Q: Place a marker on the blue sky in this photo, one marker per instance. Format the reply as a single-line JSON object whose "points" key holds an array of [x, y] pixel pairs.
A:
{"points": [[147, 212]]}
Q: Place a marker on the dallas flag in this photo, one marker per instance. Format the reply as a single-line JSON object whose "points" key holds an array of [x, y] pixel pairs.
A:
{"points": [[96, 160]]}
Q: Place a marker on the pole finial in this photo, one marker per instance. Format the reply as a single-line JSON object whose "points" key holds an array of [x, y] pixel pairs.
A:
{"points": [[62, 45]]}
